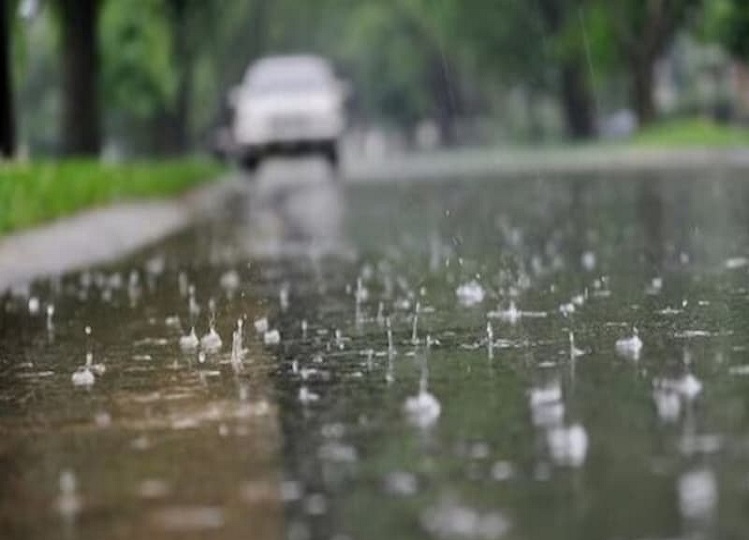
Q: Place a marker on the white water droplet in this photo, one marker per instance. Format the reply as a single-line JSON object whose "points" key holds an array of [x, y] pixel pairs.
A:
{"points": [[698, 494], [261, 325], [471, 293], [189, 342], [450, 520], [588, 260], [34, 305], [83, 377], [629, 347], [69, 502], [211, 342], [568, 445], [307, 396], [422, 410], [400, 483], [272, 337]]}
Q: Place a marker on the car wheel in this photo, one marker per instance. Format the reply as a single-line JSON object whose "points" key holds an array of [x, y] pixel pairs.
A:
{"points": [[250, 162], [331, 155]]}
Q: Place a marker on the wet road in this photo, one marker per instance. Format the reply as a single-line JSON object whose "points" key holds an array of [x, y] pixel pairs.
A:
{"points": [[452, 359]]}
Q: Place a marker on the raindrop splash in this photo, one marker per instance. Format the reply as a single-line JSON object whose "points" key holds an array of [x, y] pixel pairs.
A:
{"points": [[629, 347], [391, 347], [189, 342], [415, 327], [423, 410], [489, 340]]}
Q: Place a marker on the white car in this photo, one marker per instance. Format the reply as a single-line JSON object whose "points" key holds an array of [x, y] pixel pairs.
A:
{"points": [[288, 105]]}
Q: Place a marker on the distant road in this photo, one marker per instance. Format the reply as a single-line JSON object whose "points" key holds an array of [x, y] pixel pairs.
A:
{"points": [[465, 163]]}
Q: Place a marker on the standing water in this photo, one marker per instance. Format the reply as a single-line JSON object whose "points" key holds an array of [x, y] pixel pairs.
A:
{"points": [[311, 427]]}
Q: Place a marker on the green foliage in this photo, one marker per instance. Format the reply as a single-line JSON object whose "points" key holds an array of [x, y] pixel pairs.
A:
{"points": [[727, 22], [32, 193], [387, 62], [137, 72], [35, 60], [694, 132], [492, 32], [161, 51], [389, 49]]}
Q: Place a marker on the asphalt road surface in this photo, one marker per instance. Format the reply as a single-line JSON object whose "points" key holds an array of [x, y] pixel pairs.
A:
{"points": [[554, 356]]}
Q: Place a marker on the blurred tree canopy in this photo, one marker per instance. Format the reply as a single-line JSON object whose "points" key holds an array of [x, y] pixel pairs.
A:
{"points": [[728, 23], [152, 76], [642, 30], [151, 55]]}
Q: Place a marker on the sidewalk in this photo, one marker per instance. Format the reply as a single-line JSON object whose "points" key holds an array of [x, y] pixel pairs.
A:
{"points": [[103, 234]]}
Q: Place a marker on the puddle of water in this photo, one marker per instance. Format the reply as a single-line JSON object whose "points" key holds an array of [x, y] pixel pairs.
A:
{"points": [[437, 360]]}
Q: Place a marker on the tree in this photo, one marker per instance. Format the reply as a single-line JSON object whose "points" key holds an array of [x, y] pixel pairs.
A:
{"points": [[422, 23], [181, 15], [642, 30], [7, 123], [535, 44], [561, 22], [81, 129], [387, 62], [727, 22], [161, 69]]}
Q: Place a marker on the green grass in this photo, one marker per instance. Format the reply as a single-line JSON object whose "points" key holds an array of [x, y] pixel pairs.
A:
{"points": [[33, 193], [695, 132]]}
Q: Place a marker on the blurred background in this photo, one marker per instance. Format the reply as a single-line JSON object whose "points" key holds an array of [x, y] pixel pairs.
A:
{"points": [[124, 79]]}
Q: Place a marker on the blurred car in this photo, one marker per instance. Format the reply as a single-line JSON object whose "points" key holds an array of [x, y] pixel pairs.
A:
{"points": [[288, 105]]}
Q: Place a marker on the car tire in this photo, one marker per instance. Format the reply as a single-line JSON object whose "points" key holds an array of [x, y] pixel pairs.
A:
{"points": [[250, 162], [330, 151]]}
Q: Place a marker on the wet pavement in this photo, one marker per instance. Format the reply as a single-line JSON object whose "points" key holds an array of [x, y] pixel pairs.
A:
{"points": [[553, 357]]}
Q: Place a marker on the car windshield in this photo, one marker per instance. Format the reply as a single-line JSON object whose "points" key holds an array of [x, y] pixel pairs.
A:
{"points": [[288, 75]]}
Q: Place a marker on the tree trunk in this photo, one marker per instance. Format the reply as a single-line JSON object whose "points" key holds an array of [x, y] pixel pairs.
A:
{"points": [[7, 123], [577, 101], [81, 130], [445, 98], [180, 132], [641, 73]]}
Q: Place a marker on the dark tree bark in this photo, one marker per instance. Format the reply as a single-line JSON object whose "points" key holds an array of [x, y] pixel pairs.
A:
{"points": [[440, 78], [575, 92], [7, 122], [445, 96], [643, 31], [641, 88], [577, 101], [81, 129], [183, 61]]}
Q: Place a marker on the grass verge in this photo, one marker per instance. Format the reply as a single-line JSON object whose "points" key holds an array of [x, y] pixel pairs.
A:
{"points": [[693, 132], [33, 193]]}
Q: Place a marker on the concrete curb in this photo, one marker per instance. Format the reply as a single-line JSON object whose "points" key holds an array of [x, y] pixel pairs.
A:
{"points": [[104, 234]]}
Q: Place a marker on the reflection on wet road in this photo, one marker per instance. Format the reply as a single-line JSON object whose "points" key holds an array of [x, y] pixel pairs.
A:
{"points": [[561, 357]]}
